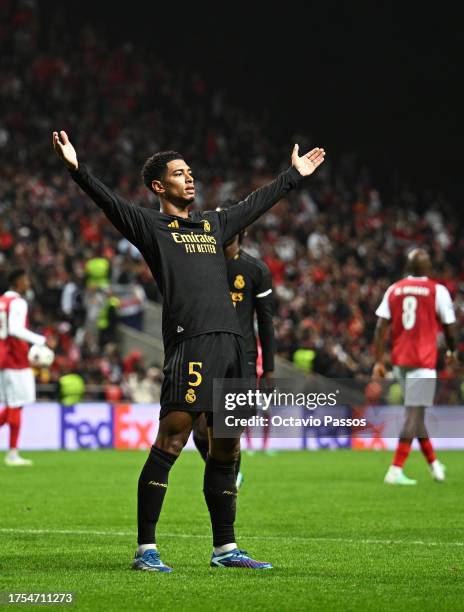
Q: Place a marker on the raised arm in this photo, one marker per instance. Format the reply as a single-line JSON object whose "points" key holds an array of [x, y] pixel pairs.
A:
{"points": [[130, 220], [236, 218]]}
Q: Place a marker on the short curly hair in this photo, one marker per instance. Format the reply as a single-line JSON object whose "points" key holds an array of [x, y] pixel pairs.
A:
{"points": [[155, 167], [14, 275]]}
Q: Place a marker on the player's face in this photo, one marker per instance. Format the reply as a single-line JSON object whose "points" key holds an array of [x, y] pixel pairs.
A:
{"points": [[178, 185], [23, 284]]}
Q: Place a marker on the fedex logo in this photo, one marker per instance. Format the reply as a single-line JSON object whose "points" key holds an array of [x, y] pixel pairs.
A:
{"points": [[320, 441], [319, 436], [86, 426], [135, 426]]}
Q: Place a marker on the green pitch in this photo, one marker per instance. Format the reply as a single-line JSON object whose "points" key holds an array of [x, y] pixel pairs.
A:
{"points": [[339, 538]]}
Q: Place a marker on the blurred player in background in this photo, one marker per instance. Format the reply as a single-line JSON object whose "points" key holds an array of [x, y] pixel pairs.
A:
{"points": [[17, 384], [415, 306], [250, 284]]}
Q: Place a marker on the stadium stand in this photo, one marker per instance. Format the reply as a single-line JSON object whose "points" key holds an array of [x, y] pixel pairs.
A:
{"points": [[333, 247]]}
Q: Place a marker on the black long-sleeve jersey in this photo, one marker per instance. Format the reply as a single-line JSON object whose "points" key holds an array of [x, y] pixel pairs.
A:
{"points": [[186, 256], [250, 284]]}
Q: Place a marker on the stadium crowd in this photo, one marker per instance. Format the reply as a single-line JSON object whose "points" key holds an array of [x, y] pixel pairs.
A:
{"points": [[333, 246]]}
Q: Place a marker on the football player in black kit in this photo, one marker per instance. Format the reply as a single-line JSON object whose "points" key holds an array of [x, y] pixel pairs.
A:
{"points": [[250, 285], [201, 332]]}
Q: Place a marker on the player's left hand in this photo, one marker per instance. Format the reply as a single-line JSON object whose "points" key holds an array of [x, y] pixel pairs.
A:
{"points": [[65, 150], [306, 164]]}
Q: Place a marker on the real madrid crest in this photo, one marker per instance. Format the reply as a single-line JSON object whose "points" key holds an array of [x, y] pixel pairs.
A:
{"points": [[190, 396], [239, 282]]}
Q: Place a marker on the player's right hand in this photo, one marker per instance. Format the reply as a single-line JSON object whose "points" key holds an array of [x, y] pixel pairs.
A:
{"points": [[379, 370], [65, 150]]}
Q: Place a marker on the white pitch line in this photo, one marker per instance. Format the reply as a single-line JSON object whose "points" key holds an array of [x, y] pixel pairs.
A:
{"points": [[246, 537]]}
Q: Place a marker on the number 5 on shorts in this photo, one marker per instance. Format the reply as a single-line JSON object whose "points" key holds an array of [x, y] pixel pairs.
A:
{"points": [[194, 372]]}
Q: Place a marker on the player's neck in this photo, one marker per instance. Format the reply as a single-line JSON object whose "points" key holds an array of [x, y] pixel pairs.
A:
{"points": [[168, 208]]}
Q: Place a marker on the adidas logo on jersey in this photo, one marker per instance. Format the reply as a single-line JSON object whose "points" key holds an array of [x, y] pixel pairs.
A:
{"points": [[179, 329], [174, 224]]}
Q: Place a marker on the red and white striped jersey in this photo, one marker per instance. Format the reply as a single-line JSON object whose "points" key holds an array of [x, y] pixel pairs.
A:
{"points": [[14, 335], [416, 306]]}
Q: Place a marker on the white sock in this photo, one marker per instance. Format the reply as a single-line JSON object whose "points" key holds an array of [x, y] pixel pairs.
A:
{"points": [[143, 547], [13, 453], [225, 548], [396, 470]]}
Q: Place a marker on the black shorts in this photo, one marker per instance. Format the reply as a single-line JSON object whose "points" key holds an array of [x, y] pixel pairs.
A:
{"points": [[191, 366]]}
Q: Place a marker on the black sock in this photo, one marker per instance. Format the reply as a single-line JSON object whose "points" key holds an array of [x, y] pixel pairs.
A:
{"points": [[153, 483], [237, 464], [202, 446], [221, 497]]}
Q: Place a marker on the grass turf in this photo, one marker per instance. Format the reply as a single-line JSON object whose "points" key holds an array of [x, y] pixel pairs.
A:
{"points": [[338, 537]]}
